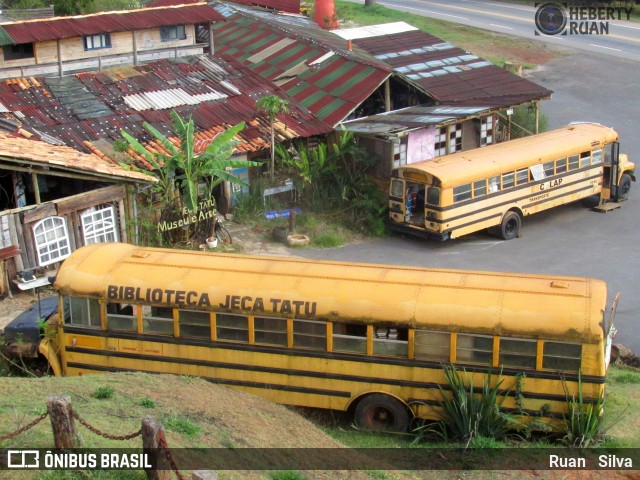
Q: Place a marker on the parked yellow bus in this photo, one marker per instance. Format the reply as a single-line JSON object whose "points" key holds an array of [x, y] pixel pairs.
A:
{"points": [[364, 338], [496, 186]]}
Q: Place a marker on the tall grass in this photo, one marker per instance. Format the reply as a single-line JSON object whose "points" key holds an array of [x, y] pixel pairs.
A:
{"points": [[469, 412], [583, 422]]}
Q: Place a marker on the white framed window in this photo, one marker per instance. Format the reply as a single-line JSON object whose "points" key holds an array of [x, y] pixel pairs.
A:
{"points": [[97, 41], [400, 152], [172, 32], [486, 130], [441, 142], [455, 138], [52, 240], [99, 225]]}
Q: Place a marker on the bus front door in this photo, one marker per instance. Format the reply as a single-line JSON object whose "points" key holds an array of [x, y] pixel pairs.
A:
{"points": [[610, 171]]}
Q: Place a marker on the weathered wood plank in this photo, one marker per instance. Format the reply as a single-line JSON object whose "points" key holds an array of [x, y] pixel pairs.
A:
{"points": [[13, 232], [36, 214], [89, 199]]}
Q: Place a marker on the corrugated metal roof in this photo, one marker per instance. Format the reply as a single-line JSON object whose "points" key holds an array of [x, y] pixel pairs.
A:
{"points": [[290, 6], [413, 118], [66, 27], [217, 93], [62, 156], [330, 81], [447, 73]]}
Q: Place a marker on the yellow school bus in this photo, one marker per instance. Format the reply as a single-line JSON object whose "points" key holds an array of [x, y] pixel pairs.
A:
{"points": [[496, 186], [364, 338]]}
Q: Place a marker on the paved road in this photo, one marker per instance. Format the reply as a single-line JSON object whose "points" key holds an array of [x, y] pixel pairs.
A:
{"points": [[623, 40], [569, 240]]}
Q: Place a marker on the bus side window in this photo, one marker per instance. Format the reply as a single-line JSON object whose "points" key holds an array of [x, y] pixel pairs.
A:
{"points": [[432, 345], [574, 162], [270, 331], [479, 188], [81, 311], [494, 184], [232, 327], [194, 324], [561, 165], [157, 320], [522, 176], [121, 317], [390, 341], [507, 180], [350, 338], [585, 159], [462, 192], [548, 169], [474, 348], [518, 352], [310, 334], [561, 356], [596, 156]]}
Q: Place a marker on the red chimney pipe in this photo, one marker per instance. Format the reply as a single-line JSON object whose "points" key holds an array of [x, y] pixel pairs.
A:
{"points": [[326, 14]]}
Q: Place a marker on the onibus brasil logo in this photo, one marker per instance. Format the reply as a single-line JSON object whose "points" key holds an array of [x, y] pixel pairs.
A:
{"points": [[566, 19]]}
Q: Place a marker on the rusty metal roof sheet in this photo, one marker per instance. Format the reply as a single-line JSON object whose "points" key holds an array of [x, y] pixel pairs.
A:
{"points": [[217, 93], [412, 118], [289, 6], [39, 30], [310, 65], [447, 73], [17, 149]]}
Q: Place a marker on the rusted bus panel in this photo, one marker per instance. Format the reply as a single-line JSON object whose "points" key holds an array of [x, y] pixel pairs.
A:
{"points": [[442, 299]]}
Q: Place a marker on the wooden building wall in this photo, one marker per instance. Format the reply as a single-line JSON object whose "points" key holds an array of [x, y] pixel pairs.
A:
{"points": [[121, 43], [16, 226]]}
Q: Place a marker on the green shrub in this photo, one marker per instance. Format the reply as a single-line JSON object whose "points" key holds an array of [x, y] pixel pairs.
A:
{"points": [[583, 423], [103, 392], [626, 377], [287, 475], [182, 425], [147, 403], [470, 413]]}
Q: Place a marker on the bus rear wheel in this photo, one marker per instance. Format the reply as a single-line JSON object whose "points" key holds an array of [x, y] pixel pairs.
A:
{"points": [[382, 412], [624, 187], [510, 226]]}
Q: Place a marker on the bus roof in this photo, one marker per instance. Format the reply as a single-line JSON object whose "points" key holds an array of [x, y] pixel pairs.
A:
{"points": [[455, 300], [462, 167]]}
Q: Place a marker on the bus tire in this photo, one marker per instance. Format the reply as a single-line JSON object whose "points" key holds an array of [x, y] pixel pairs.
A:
{"points": [[510, 226], [624, 187], [382, 412]]}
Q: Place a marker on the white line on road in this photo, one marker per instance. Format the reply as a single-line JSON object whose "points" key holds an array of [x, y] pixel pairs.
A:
{"points": [[624, 26], [499, 5], [602, 46], [500, 26], [421, 10]]}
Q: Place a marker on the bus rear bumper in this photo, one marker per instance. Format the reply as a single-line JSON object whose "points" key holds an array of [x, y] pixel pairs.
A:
{"points": [[419, 232]]}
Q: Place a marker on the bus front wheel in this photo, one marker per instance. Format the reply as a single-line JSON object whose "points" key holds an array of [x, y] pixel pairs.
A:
{"points": [[510, 226], [382, 412], [624, 187]]}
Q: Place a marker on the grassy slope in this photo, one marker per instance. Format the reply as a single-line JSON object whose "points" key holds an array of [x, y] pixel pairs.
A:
{"points": [[197, 413], [495, 47]]}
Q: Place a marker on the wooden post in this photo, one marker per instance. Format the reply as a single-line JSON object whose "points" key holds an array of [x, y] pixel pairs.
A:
{"points": [[152, 436], [292, 220], [536, 107], [135, 47], [211, 47], [60, 69], [36, 188], [387, 96], [62, 424]]}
